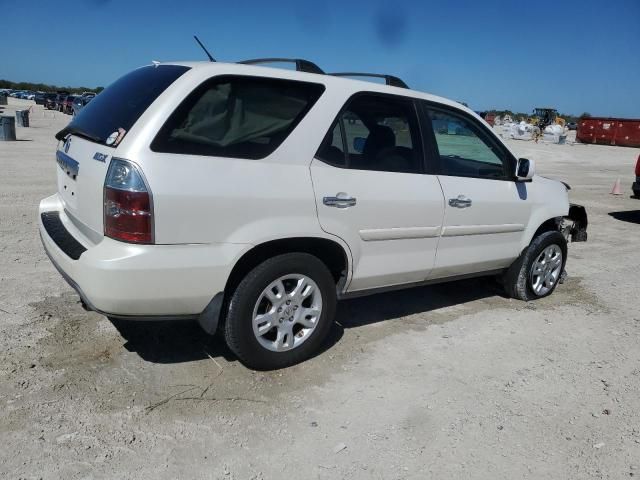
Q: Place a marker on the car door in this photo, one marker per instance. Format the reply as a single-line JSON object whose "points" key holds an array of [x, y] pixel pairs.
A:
{"points": [[372, 192], [486, 211]]}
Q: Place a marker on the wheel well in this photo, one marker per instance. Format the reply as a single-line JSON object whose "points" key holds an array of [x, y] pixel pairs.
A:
{"points": [[553, 224], [330, 252]]}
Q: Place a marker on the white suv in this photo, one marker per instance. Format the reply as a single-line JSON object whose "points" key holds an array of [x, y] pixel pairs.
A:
{"points": [[253, 198]]}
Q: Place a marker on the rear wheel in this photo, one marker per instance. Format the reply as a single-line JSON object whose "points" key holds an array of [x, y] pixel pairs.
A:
{"points": [[281, 312], [537, 272]]}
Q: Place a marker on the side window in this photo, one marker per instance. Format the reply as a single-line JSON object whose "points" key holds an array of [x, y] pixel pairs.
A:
{"points": [[462, 149], [380, 133], [235, 116], [332, 149], [356, 131]]}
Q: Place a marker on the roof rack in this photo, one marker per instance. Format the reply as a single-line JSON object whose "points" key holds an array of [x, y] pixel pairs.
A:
{"points": [[389, 79], [301, 64]]}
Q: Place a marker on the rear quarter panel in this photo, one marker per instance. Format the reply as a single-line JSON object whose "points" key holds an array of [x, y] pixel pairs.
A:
{"points": [[201, 199]]}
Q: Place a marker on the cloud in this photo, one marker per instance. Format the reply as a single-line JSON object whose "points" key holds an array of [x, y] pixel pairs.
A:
{"points": [[390, 26]]}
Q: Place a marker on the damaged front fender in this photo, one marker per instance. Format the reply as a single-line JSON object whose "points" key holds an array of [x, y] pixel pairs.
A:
{"points": [[575, 223]]}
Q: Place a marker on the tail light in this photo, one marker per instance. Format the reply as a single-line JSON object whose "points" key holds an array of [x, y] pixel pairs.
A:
{"points": [[128, 206], [638, 167]]}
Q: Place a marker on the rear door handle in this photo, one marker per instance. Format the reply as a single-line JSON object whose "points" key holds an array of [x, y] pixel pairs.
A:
{"points": [[460, 202], [341, 200]]}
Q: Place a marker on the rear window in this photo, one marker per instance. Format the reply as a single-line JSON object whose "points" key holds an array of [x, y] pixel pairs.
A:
{"points": [[123, 102], [236, 116]]}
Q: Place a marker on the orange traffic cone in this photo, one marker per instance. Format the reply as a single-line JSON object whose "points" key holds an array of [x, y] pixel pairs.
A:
{"points": [[616, 188]]}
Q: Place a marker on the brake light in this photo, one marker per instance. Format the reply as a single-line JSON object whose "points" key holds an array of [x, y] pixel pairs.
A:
{"points": [[128, 207], [638, 167]]}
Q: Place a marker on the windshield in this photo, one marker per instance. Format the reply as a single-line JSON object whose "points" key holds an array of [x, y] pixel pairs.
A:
{"points": [[121, 104]]}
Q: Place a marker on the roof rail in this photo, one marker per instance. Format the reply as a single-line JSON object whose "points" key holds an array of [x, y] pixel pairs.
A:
{"points": [[301, 64], [389, 79]]}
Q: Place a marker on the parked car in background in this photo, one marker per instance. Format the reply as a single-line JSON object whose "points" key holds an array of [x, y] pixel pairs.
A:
{"points": [[50, 101], [636, 185], [60, 99], [572, 126], [68, 104], [39, 98], [253, 198], [80, 102]]}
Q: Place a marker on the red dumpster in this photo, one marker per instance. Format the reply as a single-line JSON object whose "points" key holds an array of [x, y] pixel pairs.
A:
{"points": [[609, 131]]}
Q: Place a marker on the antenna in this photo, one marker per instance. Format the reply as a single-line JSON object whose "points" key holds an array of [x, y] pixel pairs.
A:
{"points": [[211, 59]]}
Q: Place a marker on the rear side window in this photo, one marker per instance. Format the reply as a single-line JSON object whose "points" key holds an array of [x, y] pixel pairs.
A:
{"points": [[236, 116], [124, 101], [375, 132]]}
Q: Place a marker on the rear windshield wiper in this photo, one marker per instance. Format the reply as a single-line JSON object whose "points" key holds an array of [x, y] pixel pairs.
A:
{"points": [[75, 131]]}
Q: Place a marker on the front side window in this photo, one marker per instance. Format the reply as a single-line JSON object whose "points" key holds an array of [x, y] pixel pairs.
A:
{"points": [[234, 116], [375, 133], [462, 149]]}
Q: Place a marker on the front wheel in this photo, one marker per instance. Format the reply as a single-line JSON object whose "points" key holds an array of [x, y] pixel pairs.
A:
{"points": [[537, 272], [281, 312]]}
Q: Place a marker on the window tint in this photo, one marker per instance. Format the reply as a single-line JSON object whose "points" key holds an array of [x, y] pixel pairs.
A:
{"points": [[380, 132], [462, 149], [232, 116], [354, 129], [124, 101], [332, 149]]}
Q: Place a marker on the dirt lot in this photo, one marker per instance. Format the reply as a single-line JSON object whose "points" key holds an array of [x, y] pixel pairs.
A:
{"points": [[452, 381]]}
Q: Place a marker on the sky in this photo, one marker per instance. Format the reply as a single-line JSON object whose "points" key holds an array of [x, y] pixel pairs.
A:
{"points": [[575, 55]]}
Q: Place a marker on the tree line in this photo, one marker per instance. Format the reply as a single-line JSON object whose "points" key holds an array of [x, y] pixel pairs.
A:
{"points": [[43, 87]]}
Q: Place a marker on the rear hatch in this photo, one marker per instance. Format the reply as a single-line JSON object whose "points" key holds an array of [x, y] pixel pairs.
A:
{"points": [[90, 140]]}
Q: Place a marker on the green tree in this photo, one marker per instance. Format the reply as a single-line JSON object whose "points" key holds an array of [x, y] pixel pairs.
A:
{"points": [[43, 87]]}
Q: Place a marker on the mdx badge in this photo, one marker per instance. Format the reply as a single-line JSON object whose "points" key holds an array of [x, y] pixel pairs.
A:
{"points": [[101, 157]]}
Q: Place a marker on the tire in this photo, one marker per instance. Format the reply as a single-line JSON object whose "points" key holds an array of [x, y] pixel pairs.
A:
{"points": [[257, 351], [518, 279]]}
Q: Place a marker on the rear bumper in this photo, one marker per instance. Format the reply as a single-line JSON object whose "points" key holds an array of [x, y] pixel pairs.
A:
{"points": [[138, 281]]}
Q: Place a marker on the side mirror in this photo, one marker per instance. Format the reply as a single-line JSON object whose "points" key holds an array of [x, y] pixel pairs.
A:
{"points": [[525, 169], [358, 144]]}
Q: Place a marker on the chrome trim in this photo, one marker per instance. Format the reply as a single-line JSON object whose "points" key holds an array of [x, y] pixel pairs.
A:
{"points": [[67, 164], [458, 230], [341, 200], [376, 234], [460, 202]]}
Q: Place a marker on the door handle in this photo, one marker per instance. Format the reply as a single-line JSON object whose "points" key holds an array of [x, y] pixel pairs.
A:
{"points": [[341, 200], [460, 202]]}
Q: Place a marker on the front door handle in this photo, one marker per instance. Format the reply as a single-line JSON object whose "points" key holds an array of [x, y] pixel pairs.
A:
{"points": [[460, 202], [341, 200]]}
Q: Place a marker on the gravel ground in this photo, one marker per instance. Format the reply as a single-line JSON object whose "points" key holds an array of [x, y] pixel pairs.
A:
{"points": [[449, 381]]}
